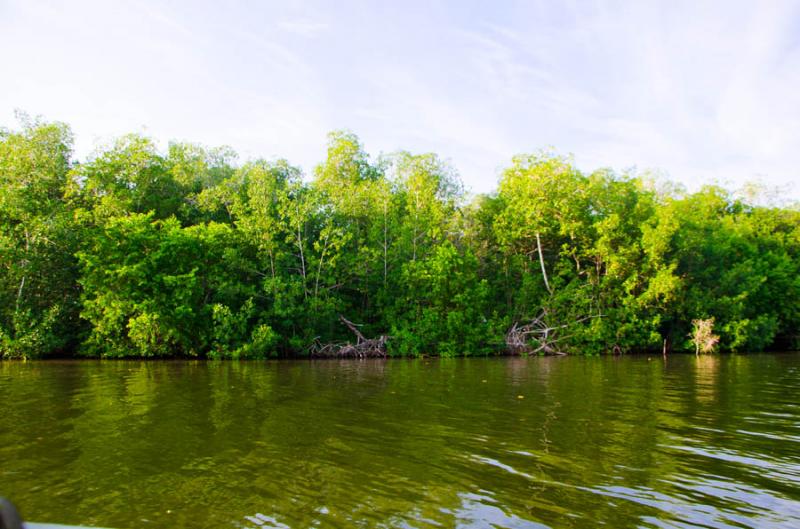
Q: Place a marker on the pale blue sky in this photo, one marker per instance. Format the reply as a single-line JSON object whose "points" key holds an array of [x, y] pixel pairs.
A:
{"points": [[702, 91]]}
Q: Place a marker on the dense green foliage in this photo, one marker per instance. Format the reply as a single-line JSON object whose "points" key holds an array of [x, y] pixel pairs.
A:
{"points": [[137, 252]]}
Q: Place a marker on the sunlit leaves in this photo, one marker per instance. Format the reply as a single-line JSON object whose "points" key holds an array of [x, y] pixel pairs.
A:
{"points": [[184, 251]]}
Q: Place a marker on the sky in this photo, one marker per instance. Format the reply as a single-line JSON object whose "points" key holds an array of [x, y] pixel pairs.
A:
{"points": [[698, 92]]}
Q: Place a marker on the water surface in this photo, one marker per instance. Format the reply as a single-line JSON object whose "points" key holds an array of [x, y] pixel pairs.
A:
{"points": [[712, 441]]}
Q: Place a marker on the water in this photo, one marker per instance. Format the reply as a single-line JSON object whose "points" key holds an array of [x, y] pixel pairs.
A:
{"points": [[543, 442]]}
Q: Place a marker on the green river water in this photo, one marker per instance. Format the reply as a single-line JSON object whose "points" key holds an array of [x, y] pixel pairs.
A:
{"points": [[712, 441]]}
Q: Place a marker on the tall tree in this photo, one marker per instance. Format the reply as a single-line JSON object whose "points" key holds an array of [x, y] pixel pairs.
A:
{"points": [[38, 292]]}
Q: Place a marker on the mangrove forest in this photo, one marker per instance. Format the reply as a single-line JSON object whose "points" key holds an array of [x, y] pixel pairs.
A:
{"points": [[140, 251]]}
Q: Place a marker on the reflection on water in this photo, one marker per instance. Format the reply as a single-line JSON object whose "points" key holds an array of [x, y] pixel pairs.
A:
{"points": [[712, 441]]}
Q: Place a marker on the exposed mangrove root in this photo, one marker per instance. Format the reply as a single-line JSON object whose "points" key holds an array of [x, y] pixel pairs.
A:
{"points": [[363, 348]]}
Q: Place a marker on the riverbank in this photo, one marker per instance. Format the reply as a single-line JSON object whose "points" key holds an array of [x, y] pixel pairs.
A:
{"points": [[145, 252]]}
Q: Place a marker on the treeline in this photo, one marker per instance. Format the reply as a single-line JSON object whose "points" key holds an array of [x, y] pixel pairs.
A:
{"points": [[138, 252]]}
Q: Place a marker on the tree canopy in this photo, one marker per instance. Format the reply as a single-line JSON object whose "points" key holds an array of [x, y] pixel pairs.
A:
{"points": [[188, 252]]}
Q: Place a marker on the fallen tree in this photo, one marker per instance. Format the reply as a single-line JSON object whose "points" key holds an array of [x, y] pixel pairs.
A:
{"points": [[363, 348], [538, 336]]}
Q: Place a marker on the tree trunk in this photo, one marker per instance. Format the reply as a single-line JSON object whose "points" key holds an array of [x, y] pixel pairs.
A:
{"points": [[541, 262]]}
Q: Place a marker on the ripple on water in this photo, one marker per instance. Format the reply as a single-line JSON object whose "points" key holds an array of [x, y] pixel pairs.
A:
{"points": [[623, 442]]}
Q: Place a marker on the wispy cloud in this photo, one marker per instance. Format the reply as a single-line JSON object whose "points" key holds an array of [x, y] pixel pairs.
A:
{"points": [[161, 16], [303, 27], [700, 90]]}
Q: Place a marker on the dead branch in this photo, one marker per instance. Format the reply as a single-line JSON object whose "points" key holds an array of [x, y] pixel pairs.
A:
{"points": [[538, 337], [352, 326], [363, 348]]}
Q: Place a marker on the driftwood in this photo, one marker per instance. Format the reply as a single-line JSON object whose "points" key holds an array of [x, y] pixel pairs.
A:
{"points": [[363, 348], [537, 336], [533, 337]]}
